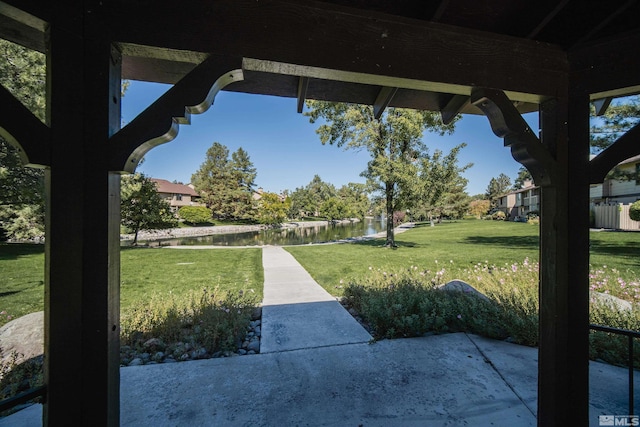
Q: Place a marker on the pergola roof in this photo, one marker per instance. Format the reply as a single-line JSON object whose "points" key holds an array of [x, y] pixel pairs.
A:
{"points": [[543, 33]]}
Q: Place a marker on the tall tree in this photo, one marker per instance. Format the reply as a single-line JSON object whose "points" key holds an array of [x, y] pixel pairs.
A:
{"points": [[440, 183], [523, 176], [23, 73], [141, 206], [394, 142], [497, 187], [226, 184], [621, 116], [307, 200], [354, 195]]}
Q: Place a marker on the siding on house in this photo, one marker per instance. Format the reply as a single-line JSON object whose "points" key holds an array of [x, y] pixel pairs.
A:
{"points": [[520, 202]]}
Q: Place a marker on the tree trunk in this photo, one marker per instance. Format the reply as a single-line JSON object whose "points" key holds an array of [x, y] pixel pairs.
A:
{"points": [[390, 226], [135, 237]]}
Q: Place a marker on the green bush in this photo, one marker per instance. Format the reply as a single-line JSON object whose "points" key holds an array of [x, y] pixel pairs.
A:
{"points": [[195, 214], [499, 216], [634, 211]]}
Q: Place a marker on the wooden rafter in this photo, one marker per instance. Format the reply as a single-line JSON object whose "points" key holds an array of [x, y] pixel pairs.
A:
{"points": [[303, 85], [602, 24], [382, 101], [547, 19], [452, 108]]}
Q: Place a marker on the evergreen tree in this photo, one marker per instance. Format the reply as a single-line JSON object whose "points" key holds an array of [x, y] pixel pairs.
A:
{"points": [[621, 116], [226, 183], [523, 175], [497, 187]]}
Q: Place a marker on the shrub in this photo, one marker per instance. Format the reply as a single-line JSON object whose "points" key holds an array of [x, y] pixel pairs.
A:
{"points": [[499, 216], [634, 211], [195, 214], [212, 320]]}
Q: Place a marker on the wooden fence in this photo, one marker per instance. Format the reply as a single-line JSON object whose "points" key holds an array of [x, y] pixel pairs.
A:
{"points": [[615, 216]]}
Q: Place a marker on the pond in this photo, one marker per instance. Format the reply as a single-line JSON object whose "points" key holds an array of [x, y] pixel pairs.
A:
{"points": [[284, 236]]}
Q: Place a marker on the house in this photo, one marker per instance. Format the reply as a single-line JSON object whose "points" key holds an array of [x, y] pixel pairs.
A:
{"points": [[520, 203], [618, 190], [177, 195]]}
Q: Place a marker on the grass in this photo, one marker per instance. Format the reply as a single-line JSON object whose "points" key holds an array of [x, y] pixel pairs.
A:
{"points": [[466, 243], [144, 272]]}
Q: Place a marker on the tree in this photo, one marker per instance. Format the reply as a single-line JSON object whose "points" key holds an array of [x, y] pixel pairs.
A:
{"points": [[523, 175], [195, 214], [141, 206], [307, 200], [394, 142], [440, 184], [272, 210], [354, 195], [618, 118], [334, 208], [497, 187], [479, 208], [23, 73], [226, 184]]}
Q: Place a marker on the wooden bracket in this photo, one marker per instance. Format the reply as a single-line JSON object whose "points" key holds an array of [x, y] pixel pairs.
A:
{"points": [[628, 145], [25, 131], [159, 123], [506, 122], [601, 105]]}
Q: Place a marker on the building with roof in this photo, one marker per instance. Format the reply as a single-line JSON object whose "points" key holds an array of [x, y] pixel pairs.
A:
{"points": [[520, 203], [177, 195], [619, 190]]}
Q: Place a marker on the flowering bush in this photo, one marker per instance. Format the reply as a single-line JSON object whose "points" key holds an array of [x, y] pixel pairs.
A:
{"points": [[408, 303]]}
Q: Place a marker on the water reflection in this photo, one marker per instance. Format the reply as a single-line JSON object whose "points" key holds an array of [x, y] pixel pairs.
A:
{"points": [[284, 236]]}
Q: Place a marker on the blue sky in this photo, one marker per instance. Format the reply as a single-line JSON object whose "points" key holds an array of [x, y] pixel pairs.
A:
{"points": [[285, 149]]}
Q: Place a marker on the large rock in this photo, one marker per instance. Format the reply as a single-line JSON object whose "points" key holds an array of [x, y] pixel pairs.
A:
{"points": [[462, 286], [611, 301], [23, 337]]}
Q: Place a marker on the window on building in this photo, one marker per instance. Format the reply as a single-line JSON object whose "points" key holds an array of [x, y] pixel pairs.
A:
{"points": [[178, 197], [637, 173]]}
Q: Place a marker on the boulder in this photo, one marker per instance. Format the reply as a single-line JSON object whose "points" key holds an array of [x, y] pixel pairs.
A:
{"points": [[23, 337], [462, 286], [611, 301]]}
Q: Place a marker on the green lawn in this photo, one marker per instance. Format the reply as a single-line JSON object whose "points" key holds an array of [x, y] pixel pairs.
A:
{"points": [[453, 246], [144, 272]]}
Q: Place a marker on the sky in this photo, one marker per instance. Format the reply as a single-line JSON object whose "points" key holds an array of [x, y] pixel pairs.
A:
{"points": [[285, 149]]}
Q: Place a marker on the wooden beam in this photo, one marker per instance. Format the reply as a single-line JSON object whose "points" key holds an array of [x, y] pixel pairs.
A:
{"points": [[82, 254], [382, 101], [303, 85], [452, 108], [319, 34], [607, 69], [628, 145], [563, 355], [159, 123], [25, 131], [606, 21]]}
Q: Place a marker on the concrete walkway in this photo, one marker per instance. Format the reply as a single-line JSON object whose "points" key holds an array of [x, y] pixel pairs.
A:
{"points": [[317, 368], [297, 313]]}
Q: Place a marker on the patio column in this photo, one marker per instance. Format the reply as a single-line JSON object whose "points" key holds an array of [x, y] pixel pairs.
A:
{"points": [[563, 364], [82, 222], [559, 164]]}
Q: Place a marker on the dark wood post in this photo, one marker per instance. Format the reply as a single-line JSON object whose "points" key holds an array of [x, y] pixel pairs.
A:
{"points": [[563, 377], [82, 221]]}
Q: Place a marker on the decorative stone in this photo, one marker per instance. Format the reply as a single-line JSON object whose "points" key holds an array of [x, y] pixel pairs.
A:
{"points": [[462, 286], [254, 346], [611, 301], [22, 337], [136, 362]]}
